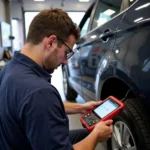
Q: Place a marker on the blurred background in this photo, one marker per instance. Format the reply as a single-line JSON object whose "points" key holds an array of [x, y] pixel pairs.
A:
{"points": [[16, 16]]}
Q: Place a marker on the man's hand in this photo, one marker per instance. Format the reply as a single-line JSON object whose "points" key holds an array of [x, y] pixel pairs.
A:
{"points": [[74, 108], [100, 133], [103, 130], [89, 105]]}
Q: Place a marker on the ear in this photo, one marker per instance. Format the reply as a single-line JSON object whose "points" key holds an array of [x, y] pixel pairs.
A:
{"points": [[51, 41]]}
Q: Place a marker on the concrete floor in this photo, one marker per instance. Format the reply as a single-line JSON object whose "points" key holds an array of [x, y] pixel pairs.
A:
{"points": [[74, 122]]}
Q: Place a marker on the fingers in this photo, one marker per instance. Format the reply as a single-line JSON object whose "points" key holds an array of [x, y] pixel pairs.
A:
{"points": [[106, 137], [96, 103], [99, 102], [109, 135], [92, 104], [111, 127], [104, 130], [108, 122]]}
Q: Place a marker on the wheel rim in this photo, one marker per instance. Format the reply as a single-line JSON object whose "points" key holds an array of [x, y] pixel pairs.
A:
{"points": [[65, 83], [122, 138]]}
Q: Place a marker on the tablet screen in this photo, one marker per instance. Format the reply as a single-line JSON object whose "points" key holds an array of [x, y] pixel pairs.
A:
{"points": [[106, 108]]}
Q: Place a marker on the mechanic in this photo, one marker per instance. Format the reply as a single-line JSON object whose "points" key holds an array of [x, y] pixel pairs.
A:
{"points": [[32, 114]]}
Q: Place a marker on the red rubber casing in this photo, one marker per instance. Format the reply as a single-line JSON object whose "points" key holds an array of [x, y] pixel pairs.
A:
{"points": [[109, 116]]}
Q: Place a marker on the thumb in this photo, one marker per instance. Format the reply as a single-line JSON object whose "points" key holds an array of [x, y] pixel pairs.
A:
{"points": [[108, 122], [98, 103]]}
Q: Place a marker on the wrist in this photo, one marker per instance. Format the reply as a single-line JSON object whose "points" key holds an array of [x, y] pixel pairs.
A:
{"points": [[82, 108], [95, 135], [73, 108]]}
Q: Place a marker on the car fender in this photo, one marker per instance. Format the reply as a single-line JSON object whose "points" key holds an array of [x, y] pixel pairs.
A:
{"points": [[112, 69]]}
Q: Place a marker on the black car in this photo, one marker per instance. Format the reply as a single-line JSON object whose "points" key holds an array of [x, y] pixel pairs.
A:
{"points": [[112, 57]]}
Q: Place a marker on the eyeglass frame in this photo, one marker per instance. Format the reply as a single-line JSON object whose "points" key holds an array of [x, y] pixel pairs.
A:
{"points": [[70, 53]]}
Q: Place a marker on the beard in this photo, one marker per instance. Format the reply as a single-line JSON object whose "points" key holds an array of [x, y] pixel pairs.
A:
{"points": [[50, 70], [50, 63]]}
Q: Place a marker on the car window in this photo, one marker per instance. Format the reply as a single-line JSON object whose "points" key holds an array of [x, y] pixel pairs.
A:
{"points": [[85, 27], [126, 3], [132, 1], [106, 10]]}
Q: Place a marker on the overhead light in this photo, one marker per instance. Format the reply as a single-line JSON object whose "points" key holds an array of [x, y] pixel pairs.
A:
{"points": [[84, 0], [93, 36], [109, 12], [131, 0], [143, 6], [139, 19], [39, 0]]}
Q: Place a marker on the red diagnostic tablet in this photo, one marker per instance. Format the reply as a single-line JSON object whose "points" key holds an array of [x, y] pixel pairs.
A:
{"points": [[108, 109]]}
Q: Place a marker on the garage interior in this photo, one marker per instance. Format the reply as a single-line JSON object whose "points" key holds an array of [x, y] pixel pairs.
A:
{"points": [[128, 40]]}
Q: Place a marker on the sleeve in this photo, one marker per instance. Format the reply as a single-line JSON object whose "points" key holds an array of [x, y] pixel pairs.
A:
{"points": [[45, 122]]}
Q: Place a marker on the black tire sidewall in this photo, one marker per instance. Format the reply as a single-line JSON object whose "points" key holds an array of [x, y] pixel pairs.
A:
{"points": [[127, 117], [70, 93]]}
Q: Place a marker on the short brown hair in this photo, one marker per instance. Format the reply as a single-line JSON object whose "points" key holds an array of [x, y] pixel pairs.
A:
{"points": [[49, 22]]}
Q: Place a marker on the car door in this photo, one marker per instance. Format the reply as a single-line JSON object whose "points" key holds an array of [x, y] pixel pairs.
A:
{"points": [[132, 44], [74, 61], [97, 43]]}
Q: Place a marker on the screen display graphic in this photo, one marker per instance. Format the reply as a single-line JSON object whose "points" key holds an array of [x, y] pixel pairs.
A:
{"points": [[106, 108]]}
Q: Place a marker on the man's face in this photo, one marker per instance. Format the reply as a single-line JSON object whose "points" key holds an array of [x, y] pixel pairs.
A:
{"points": [[58, 55]]}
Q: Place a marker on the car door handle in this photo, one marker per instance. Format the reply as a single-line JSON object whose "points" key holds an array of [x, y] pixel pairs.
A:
{"points": [[106, 35]]}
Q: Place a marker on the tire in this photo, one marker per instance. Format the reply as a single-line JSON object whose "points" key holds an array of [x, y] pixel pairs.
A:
{"points": [[133, 126], [70, 94]]}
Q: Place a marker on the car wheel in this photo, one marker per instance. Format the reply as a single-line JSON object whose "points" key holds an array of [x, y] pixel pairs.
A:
{"points": [[131, 129], [70, 94]]}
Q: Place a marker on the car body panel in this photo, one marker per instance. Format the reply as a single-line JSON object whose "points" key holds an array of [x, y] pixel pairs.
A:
{"points": [[125, 56], [132, 41]]}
